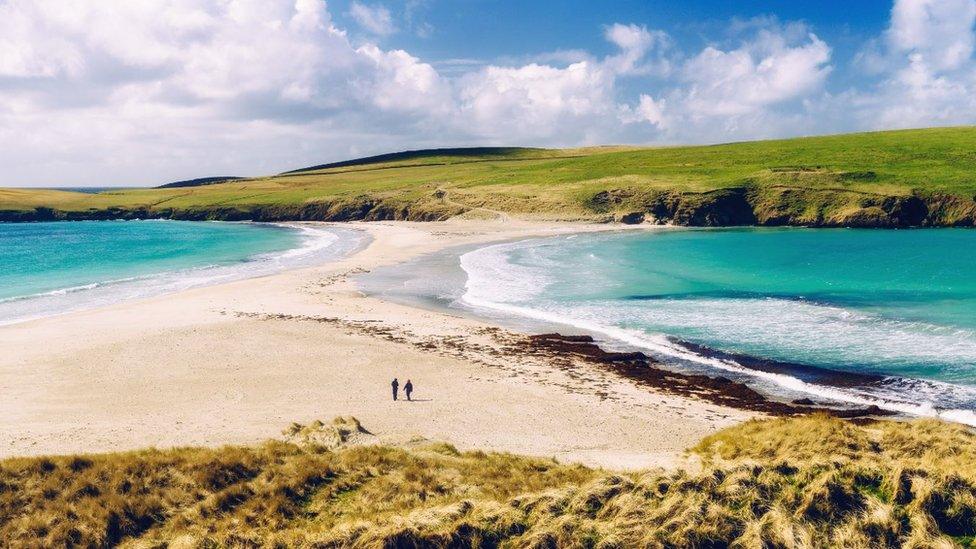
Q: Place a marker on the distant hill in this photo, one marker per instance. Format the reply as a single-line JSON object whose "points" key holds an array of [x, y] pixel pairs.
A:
{"points": [[462, 152], [905, 178], [199, 182]]}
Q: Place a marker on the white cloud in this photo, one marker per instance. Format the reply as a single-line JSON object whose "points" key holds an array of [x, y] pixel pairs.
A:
{"points": [[167, 90], [157, 90], [572, 104], [374, 19], [737, 92], [533, 100], [927, 67], [647, 110], [400, 82], [941, 31], [762, 72]]}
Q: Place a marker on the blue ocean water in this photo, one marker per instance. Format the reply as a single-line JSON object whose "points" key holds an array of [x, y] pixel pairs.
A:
{"points": [[899, 306], [49, 268]]}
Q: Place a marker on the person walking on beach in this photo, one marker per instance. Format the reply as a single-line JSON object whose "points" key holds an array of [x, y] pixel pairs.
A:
{"points": [[408, 388], [396, 385]]}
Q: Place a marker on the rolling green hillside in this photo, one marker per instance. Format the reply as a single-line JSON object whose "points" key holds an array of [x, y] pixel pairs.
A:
{"points": [[901, 178]]}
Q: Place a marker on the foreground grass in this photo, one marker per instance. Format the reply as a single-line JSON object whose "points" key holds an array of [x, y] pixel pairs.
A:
{"points": [[856, 179], [804, 482]]}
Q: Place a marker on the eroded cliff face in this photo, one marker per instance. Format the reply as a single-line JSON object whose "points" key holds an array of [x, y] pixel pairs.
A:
{"points": [[359, 209], [740, 206], [780, 206], [722, 208]]}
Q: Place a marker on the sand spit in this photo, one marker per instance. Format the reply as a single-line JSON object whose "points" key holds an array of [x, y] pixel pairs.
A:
{"points": [[237, 363]]}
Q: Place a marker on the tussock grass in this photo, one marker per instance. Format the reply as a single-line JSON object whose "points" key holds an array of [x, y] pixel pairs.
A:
{"points": [[801, 482]]}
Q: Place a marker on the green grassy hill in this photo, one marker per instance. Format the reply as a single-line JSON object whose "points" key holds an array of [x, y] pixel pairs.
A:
{"points": [[802, 483], [901, 178]]}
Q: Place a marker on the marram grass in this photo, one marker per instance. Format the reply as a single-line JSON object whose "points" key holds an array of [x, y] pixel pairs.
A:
{"points": [[801, 482]]}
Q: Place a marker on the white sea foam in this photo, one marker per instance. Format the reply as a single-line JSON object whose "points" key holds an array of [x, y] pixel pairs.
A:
{"points": [[315, 240], [496, 283], [821, 334], [317, 245], [494, 272]]}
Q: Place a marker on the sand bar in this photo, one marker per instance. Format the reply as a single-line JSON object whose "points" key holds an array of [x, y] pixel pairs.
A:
{"points": [[238, 362]]}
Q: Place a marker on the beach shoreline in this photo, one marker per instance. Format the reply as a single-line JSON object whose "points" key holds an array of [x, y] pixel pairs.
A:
{"points": [[76, 289], [236, 363]]}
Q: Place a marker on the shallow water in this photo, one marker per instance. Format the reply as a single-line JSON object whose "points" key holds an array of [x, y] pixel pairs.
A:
{"points": [[51, 268], [898, 306]]}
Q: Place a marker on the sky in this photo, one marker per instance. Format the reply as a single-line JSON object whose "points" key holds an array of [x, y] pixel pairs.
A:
{"points": [[145, 92]]}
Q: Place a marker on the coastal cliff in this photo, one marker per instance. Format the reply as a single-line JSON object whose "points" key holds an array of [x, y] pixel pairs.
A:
{"points": [[785, 206], [359, 209], [742, 206]]}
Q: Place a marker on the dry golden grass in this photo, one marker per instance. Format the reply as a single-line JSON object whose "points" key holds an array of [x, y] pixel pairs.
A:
{"points": [[804, 482]]}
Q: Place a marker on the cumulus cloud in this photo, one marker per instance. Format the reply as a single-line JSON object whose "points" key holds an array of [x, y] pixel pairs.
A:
{"points": [[737, 90], [156, 90], [927, 67], [647, 110], [562, 104], [770, 69], [941, 31], [533, 98], [160, 90], [773, 82], [190, 87], [400, 82]]}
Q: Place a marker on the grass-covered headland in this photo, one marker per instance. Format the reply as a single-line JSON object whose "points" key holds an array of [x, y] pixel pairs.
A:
{"points": [[801, 482], [884, 179]]}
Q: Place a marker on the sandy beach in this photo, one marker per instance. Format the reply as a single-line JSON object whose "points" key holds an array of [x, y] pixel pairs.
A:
{"points": [[238, 362]]}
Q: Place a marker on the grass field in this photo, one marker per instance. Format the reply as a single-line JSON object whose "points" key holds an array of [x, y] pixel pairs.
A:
{"points": [[802, 482], [911, 177]]}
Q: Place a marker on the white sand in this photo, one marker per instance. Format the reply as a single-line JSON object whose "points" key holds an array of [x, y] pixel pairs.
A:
{"points": [[209, 367]]}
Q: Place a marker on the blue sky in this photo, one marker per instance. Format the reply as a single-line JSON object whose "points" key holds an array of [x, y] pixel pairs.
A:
{"points": [[491, 31], [142, 93]]}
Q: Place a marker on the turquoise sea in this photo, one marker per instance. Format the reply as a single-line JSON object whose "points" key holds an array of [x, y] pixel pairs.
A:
{"points": [[50, 268], [862, 316]]}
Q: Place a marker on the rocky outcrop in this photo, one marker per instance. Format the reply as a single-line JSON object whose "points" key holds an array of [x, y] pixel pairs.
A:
{"points": [[631, 218], [721, 208], [776, 206]]}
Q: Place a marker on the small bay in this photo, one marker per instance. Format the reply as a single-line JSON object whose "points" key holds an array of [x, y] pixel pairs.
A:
{"points": [[899, 306]]}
